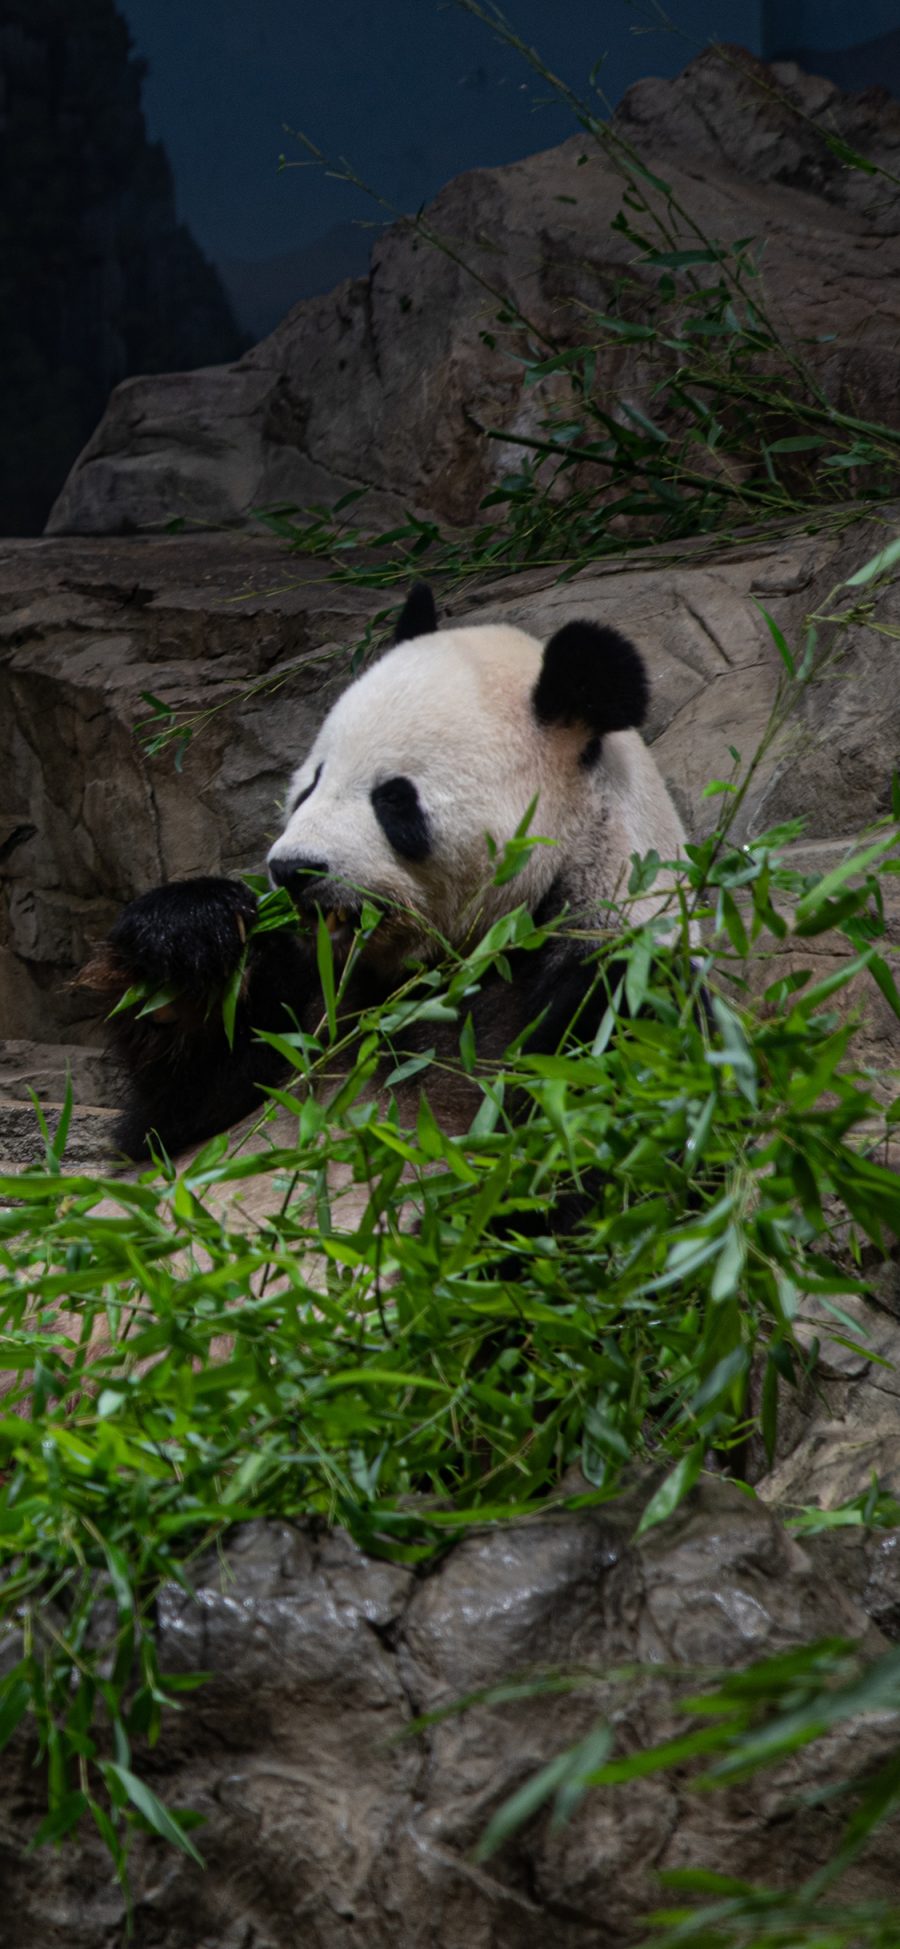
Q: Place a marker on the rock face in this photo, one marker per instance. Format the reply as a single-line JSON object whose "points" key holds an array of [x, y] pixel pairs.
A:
{"points": [[251, 644], [322, 1827], [387, 382], [86, 820]]}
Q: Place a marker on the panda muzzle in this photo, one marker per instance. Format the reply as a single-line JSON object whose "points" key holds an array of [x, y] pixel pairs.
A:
{"points": [[314, 893]]}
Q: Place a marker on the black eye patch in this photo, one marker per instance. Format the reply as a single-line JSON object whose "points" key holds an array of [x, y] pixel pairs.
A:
{"points": [[306, 792], [402, 818]]}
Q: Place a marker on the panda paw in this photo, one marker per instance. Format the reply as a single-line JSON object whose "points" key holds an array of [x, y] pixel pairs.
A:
{"points": [[188, 936]]}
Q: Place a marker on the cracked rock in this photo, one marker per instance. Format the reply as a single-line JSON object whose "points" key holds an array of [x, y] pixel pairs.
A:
{"points": [[388, 381], [327, 1824]]}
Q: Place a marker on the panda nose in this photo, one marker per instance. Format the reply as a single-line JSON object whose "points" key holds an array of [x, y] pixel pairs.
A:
{"points": [[298, 875]]}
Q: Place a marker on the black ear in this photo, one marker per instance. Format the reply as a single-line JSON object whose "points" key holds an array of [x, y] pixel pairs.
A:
{"points": [[418, 617], [592, 676]]}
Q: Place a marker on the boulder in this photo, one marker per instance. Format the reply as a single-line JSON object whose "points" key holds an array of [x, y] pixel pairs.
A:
{"points": [[388, 382], [324, 1825]]}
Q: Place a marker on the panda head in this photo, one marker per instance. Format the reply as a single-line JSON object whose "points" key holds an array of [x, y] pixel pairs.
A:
{"points": [[444, 742]]}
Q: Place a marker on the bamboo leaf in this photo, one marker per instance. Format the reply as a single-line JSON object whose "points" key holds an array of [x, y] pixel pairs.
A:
{"points": [[152, 1811]]}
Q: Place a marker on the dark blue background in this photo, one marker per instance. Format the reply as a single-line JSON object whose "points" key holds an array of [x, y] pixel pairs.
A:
{"points": [[412, 91]]}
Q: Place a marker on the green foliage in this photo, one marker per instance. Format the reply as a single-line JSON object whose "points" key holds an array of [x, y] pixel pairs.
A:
{"points": [[873, 1508], [438, 1355], [739, 1723]]}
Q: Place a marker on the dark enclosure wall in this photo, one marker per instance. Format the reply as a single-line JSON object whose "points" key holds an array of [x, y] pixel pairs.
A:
{"points": [[98, 279]]}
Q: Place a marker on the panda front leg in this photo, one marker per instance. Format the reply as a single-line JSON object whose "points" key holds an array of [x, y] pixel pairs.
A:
{"points": [[185, 943]]}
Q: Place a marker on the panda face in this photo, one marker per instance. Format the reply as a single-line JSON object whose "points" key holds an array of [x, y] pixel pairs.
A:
{"points": [[444, 743], [429, 752]]}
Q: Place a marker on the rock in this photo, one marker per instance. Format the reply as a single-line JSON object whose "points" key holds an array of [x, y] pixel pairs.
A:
{"points": [[851, 1434], [388, 382], [46, 1069], [90, 1142], [774, 124], [251, 643], [323, 1825], [86, 818]]}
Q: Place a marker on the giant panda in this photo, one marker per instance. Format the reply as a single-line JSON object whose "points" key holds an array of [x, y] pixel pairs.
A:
{"points": [[424, 766]]}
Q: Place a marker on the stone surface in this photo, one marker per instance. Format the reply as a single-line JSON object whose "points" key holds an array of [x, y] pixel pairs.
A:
{"points": [[850, 1433], [45, 1069], [323, 1827], [86, 818], [730, 110], [251, 643], [387, 382], [89, 1143]]}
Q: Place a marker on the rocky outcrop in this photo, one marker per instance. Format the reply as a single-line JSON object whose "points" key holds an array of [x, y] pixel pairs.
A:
{"points": [[323, 1825], [388, 382], [45, 1071], [774, 124], [249, 645], [87, 634]]}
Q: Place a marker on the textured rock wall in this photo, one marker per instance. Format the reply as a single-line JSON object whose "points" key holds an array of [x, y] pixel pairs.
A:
{"points": [[87, 819], [387, 382], [322, 1827]]}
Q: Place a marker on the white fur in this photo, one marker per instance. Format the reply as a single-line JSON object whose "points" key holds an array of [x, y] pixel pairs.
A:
{"points": [[453, 713]]}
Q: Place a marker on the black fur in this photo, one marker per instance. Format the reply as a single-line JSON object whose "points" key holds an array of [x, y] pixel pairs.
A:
{"points": [[402, 818], [185, 1082], [190, 933], [592, 676], [190, 937], [306, 793], [302, 877], [418, 617]]}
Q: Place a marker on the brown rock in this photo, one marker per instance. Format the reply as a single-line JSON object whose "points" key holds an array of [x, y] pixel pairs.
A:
{"points": [[251, 643], [387, 382], [322, 1827], [86, 817]]}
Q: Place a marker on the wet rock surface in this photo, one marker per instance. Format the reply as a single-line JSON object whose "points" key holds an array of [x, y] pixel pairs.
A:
{"points": [[323, 1825]]}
